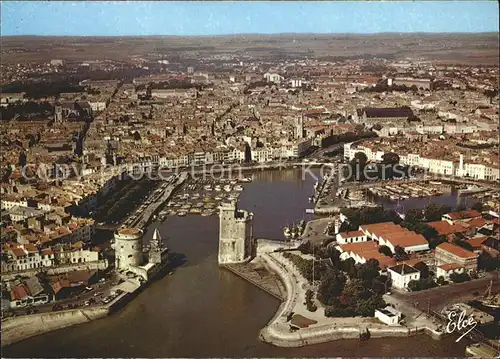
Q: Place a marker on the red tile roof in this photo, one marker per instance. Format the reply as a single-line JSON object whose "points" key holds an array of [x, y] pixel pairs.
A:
{"points": [[19, 292], [464, 214], [351, 234], [476, 242], [450, 266], [456, 250], [444, 228]]}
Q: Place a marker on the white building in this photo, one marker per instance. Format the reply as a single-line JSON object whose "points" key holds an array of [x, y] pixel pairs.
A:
{"points": [[350, 237], [388, 315], [402, 274], [128, 248]]}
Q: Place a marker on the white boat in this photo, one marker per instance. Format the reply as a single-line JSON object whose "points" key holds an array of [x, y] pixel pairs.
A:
{"points": [[286, 232], [238, 188], [218, 188], [181, 214], [227, 188]]}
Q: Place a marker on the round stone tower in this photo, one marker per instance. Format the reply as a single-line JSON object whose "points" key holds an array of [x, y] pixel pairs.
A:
{"points": [[128, 248]]}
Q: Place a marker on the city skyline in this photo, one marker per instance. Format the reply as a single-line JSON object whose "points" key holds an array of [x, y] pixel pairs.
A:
{"points": [[232, 18]]}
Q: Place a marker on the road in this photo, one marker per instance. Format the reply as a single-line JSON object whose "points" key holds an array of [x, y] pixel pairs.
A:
{"points": [[103, 288], [439, 297]]}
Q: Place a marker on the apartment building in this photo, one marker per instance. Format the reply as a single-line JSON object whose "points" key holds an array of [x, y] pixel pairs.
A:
{"points": [[448, 253]]}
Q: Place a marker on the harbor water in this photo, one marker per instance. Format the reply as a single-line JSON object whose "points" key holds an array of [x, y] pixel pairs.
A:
{"points": [[204, 311]]}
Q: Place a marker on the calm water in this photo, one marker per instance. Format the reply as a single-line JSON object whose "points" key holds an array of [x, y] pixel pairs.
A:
{"points": [[202, 311]]}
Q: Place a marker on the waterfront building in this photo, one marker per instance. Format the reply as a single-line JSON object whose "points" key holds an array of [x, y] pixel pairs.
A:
{"points": [[402, 274], [235, 234], [131, 258], [388, 315], [448, 253], [128, 248], [447, 269], [350, 237]]}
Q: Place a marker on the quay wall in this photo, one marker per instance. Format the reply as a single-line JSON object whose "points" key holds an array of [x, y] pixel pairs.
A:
{"points": [[26, 326], [15, 329], [282, 337], [269, 245]]}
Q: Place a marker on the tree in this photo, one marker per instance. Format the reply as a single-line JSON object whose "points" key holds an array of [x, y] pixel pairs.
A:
{"points": [[368, 271], [434, 212], [478, 206], [349, 266], [425, 230], [358, 164], [332, 284], [390, 158], [414, 215], [400, 254], [386, 251], [487, 262], [459, 277], [414, 285], [441, 280], [423, 269]]}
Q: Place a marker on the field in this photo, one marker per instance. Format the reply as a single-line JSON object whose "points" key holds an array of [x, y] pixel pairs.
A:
{"points": [[446, 48]]}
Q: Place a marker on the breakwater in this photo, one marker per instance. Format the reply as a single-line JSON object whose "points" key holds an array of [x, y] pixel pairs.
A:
{"points": [[279, 333], [22, 327]]}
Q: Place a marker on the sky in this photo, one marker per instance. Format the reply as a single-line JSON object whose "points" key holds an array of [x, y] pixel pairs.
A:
{"points": [[114, 18]]}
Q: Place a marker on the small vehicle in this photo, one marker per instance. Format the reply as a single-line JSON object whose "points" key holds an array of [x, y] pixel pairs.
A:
{"points": [[87, 303], [89, 288]]}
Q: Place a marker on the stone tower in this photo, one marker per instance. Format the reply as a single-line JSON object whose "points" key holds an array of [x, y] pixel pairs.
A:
{"points": [[156, 248], [299, 127], [58, 115], [235, 234], [128, 248]]}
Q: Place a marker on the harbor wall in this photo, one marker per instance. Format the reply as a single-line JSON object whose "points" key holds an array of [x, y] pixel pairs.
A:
{"points": [[269, 245], [281, 336], [26, 326]]}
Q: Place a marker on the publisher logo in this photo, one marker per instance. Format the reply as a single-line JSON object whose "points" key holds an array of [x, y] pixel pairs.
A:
{"points": [[460, 322]]}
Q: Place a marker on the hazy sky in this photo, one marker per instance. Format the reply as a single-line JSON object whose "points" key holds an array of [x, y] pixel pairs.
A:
{"points": [[216, 18]]}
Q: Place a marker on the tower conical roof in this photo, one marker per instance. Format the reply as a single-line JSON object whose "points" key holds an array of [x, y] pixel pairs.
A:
{"points": [[156, 235]]}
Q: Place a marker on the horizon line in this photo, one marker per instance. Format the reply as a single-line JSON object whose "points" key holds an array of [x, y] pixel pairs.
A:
{"points": [[274, 34]]}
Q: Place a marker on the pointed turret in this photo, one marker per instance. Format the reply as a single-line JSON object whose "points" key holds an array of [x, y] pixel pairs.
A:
{"points": [[157, 250], [156, 235]]}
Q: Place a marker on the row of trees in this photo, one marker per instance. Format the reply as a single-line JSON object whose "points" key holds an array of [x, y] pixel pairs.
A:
{"points": [[42, 89], [360, 169], [26, 110]]}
